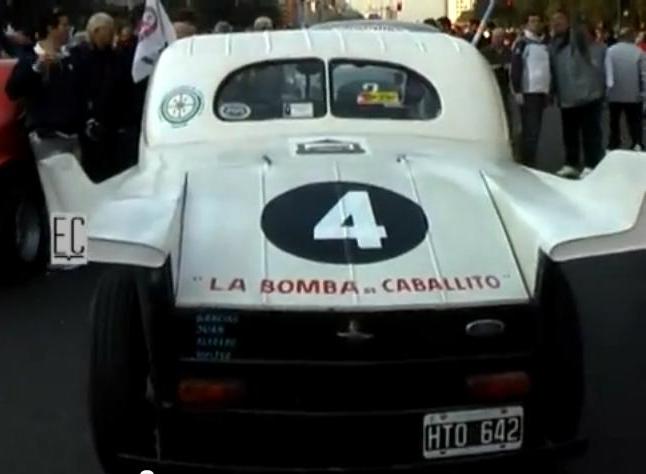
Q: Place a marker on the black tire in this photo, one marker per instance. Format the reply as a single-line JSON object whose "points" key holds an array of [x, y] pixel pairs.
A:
{"points": [[24, 236], [122, 419], [563, 364]]}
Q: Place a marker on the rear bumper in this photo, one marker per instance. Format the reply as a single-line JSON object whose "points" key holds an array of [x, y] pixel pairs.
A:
{"points": [[544, 454], [238, 442]]}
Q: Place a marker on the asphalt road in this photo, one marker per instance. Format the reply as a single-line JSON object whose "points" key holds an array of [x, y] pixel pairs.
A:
{"points": [[44, 347]]}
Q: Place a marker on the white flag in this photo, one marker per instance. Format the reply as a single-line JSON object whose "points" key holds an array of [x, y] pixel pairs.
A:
{"points": [[156, 32]]}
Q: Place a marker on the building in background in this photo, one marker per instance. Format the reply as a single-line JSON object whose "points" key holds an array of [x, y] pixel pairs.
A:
{"points": [[457, 7], [406, 10], [419, 10]]}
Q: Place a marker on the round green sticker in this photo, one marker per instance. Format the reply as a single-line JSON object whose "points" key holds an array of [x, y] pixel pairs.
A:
{"points": [[181, 105]]}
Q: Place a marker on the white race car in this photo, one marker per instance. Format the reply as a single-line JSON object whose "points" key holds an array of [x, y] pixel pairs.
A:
{"points": [[327, 258]]}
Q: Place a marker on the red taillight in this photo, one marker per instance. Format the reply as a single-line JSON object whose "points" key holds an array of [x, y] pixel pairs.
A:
{"points": [[499, 387], [210, 392]]}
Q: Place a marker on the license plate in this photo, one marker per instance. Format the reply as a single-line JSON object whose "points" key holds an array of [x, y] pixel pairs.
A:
{"points": [[464, 433]]}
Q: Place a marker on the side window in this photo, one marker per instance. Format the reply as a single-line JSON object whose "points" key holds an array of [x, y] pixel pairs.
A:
{"points": [[273, 90]]}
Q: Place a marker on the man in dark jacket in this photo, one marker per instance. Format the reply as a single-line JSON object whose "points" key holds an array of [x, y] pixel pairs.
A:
{"points": [[98, 69], [131, 99], [46, 79]]}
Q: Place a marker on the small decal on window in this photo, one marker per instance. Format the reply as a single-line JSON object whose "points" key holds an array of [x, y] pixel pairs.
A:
{"points": [[298, 110], [385, 98], [235, 111]]}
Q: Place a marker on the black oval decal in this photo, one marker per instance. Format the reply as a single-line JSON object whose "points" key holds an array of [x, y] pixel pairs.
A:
{"points": [[344, 222]]}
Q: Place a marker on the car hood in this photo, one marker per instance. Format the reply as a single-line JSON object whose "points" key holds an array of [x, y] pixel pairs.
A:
{"points": [[338, 232]]}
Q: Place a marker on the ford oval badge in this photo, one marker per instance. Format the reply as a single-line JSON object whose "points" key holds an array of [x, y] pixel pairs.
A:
{"points": [[485, 328]]}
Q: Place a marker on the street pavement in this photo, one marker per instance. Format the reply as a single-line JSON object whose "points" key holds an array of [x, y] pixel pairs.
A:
{"points": [[44, 353]]}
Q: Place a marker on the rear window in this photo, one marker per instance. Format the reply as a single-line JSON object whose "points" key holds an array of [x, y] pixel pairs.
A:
{"points": [[274, 90], [370, 90]]}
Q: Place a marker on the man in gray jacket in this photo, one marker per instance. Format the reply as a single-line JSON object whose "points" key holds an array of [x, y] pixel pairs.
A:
{"points": [[578, 74], [626, 80]]}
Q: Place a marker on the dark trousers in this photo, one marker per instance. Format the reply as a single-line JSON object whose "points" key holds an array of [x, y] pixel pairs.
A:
{"points": [[633, 114], [583, 123], [531, 115], [114, 153]]}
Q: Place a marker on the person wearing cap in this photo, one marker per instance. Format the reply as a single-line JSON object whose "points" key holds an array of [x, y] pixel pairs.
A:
{"points": [[626, 81]]}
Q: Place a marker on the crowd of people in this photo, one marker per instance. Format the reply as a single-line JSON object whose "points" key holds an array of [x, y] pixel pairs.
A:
{"points": [[80, 96], [78, 90], [582, 69]]}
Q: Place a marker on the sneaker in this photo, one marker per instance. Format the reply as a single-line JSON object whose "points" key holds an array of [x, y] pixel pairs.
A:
{"points": [[568, 172], [637, 148], [585, 172]]}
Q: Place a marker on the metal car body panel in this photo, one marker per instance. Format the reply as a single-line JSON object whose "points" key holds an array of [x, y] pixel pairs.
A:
{"points": [[198, 191]]}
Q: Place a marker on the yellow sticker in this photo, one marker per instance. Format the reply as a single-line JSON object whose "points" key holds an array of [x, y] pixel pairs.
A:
{"points": [[379, 98]]}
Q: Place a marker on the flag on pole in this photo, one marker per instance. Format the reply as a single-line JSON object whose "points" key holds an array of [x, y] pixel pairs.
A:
{"points": [[156, 32]]}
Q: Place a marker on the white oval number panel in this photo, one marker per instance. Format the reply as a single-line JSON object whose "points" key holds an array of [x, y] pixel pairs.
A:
{"points": [[181, 105], [344, 222]]}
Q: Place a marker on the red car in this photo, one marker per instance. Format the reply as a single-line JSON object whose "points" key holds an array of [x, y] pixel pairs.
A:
{"points": [[24, 239]]}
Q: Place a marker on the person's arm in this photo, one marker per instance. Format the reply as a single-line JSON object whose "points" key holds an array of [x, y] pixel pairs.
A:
{"points": [[554, 86], [25, 79], [517, 66], [5, 44], [610, 72], [579, 40], [642, 76]]}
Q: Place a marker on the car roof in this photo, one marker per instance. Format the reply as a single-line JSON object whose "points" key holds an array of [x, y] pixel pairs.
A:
{"points": [[471, 105], [321, 42], [378, 25]]}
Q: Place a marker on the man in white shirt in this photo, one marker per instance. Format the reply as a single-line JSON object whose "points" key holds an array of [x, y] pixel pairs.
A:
{"points": [[531, 80]]}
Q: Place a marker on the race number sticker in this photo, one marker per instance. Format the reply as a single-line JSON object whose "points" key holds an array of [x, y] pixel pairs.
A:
{"points": [[344, 222], [372, 95], [182, 105], [385, 98]]}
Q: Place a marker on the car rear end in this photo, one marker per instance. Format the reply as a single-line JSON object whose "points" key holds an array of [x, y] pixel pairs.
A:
{"points": [[353, 391]]}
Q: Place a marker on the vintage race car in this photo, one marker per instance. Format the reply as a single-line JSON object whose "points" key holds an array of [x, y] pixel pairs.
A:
{"points": [[326, 258]]}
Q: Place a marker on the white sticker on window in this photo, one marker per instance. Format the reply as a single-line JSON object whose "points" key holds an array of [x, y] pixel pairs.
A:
{"points": [[299, 110], [235, 111]]}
